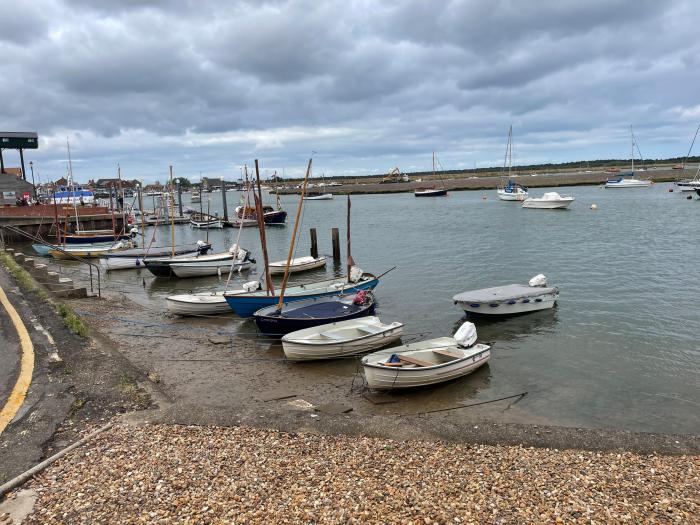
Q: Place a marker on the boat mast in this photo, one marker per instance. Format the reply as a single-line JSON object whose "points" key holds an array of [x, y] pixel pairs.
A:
{"points": [[172, 217], [510, 150], [143, 215], [294, 235], [691, 146], [632, 138], [350, 261], [72, 185], [261, 227]]}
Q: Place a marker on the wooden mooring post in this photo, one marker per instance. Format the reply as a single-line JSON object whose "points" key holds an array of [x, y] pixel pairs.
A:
{"points": [[336, 244], [314, 243]]}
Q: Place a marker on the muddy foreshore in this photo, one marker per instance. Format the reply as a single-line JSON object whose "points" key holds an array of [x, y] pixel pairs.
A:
{"points": [[206, 373]]}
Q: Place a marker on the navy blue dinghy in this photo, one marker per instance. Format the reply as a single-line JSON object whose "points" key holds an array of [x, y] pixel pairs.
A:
{"points": [[298, 315]]}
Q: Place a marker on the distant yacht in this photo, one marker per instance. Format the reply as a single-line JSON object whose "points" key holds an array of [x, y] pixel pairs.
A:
{"points": [[509, 190], [631, 182]]}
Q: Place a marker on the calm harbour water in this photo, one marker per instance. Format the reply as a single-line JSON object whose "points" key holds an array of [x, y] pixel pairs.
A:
{"points": [[619, 350]]}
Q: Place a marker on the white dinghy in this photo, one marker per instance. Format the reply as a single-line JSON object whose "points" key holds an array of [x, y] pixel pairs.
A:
{"points": [[204, 303], [427, 362], [299, 264], [345, 338], [509, 299]]}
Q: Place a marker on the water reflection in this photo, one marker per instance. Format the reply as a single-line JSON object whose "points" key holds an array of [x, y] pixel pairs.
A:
{"points": [[512, 327]]}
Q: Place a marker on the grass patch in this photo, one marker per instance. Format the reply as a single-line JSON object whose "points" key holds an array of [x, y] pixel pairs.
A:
{"points": [[27, 283], [72, 320]]}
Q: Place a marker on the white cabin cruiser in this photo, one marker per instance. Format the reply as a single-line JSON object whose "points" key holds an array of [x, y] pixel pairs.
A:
{"points": [[509, 299], [549, 201]]}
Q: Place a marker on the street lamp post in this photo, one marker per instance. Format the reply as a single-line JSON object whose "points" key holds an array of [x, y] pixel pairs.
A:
{"points": [[31, 167]]}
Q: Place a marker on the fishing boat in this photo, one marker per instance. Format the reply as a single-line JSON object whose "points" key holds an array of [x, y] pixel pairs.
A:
{"points": [[87, 252], [549, 201], [319, 197], [299, 264], [161, 267], [203, 303], [236, 262], [508, 189], [298, 315], [206, 223], [427, 362], [627, 180], [509, 299], [340, 339], [431, 191], [135, 257]]}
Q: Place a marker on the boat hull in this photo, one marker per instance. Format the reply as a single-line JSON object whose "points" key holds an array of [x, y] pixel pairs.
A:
{"points": [[520, 306], [245, 304], [510, 196], [536, 204], [198, 304], [275, 217], [93, 239], [387, 378], [273, 325], [296, 348], [184, 270], [278, 268], [125, 261], [430, 193]]}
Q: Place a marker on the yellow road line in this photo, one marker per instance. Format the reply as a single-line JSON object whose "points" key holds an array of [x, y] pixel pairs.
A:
{"points": [[19, 392]]}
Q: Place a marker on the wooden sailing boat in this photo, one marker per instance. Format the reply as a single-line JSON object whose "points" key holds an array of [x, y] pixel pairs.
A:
{"points": [[431, 191]]}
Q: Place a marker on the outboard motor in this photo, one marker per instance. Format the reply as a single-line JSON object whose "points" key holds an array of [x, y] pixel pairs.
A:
{"points": [[251, 286], [538, 280], [466, 335], [202, 247]]}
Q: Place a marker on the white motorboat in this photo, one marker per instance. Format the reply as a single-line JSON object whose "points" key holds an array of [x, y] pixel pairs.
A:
{"points": [[300, 264], [549, 201], [321, 197], [345, 338], [205, 303], [509, 299], [427, 362]]}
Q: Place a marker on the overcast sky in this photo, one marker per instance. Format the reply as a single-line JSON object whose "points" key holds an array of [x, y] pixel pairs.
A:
{"points": [[367, 85]]}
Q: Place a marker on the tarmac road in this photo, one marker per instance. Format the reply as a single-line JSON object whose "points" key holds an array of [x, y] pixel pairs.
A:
{"points": [[10, 354]]}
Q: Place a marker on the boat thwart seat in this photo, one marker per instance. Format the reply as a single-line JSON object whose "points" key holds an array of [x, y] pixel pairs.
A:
{"points": [[448, 353], [331, 335], [414, 360]]}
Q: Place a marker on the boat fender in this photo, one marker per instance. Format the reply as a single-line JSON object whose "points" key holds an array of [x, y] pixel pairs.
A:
{"points": [[360, 297], [138, 262], [218, 271]]}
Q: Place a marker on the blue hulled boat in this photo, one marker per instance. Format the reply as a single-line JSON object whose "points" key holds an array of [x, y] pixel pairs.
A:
{"points": [[245, 303], [313, 312]]}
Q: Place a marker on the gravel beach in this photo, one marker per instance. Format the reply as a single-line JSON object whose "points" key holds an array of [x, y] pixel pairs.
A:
{"points": [[187, 474]]}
